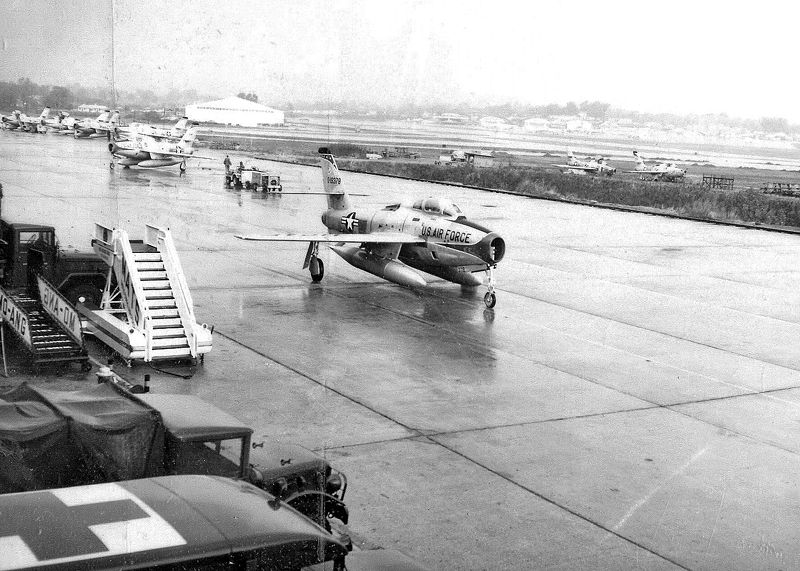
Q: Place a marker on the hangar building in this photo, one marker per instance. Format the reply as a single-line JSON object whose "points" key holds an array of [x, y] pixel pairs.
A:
{"points": [[234, 111]]}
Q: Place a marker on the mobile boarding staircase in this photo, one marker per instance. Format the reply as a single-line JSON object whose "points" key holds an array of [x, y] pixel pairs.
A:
{"points": [[147, 312], [46, 324]]}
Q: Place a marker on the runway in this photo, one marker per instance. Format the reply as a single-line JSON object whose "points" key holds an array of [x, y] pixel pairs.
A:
{"points": [[631, 402]]}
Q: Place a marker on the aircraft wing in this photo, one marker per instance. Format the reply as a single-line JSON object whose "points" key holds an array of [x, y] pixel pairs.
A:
{"points": [[651, 172], [310, 193], [372, 238], [173, 154]]}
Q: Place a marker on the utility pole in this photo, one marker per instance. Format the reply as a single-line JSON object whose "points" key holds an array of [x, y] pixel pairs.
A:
{"points": [[113, 77]]}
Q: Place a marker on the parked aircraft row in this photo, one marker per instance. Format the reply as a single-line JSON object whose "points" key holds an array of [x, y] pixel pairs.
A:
{"points": [[667, 172], [63, 123], [135, 145]]}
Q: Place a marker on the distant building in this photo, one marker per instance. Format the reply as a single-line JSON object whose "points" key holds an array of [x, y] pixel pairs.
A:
{"points": [[535, 124], [494, 123], [579, 125], [92, 108], [452, 119], [234, 111]]}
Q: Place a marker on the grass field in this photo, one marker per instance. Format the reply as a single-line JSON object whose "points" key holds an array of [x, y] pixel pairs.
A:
{"points": [[536, 176]]}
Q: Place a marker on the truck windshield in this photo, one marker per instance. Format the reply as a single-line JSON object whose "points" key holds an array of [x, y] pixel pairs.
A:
{"points": [[215, 457], [35, 238]]}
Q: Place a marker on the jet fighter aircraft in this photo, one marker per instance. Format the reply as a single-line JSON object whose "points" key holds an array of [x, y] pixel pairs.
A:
{"points": [[147, 152], [590, 166], [11, 121], [668, 172], [102, 126], [174, 133], [56, 123], [430, 235], [33, 124]]}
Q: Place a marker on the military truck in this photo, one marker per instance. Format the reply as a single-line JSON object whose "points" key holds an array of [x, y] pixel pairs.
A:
{"points": [[28, 249], [53, 439]]}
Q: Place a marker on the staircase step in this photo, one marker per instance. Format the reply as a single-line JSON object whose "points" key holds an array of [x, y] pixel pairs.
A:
{"points": [[165, 332], [150, 275], [170, 343], [145, 266], [155, 284], [147, 256], [170, 353], [157, 304], [153, 294], [166, 322], [166, 312]]}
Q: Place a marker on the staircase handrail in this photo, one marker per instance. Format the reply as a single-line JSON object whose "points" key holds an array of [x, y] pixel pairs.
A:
{"points": [[162, 240], [130, 288]]}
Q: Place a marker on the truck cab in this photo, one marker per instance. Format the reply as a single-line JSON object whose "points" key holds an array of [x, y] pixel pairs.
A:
{"points": [[30, 249], [16, 240], [202, 439]]}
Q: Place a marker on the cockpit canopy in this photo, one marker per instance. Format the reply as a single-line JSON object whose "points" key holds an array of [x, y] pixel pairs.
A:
{"points": [[437, 206]]}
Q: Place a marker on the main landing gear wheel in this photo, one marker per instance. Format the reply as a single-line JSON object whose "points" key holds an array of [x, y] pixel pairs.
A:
{"points": [[317, 269], [182, 166]]}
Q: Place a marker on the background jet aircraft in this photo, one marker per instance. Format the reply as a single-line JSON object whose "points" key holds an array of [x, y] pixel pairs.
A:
{"points": [[99, 127], [11, 121], [669, 172], [32, 124], [56, 123], [173, 133], [147, 152], [431, 235], [590, 166]]}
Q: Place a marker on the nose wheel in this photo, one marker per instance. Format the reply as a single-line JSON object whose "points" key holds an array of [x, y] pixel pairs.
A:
{"points": [[490, 299]]}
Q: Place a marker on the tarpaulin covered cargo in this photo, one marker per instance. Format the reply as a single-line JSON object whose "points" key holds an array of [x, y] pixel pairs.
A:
{"points": [[58, 438]]}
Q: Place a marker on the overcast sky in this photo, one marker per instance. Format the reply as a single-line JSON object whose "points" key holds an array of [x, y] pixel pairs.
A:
{"points": [[681, 56]]}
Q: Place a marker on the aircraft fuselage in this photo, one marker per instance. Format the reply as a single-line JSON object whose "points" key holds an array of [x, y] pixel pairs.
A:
{"points": [[452, 246]]}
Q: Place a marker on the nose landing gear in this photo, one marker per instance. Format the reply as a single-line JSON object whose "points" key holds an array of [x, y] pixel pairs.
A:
{"points": [[490, 299]]}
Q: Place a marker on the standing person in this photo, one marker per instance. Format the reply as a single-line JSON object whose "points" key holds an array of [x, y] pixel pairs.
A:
{"points": [[227, 163]]}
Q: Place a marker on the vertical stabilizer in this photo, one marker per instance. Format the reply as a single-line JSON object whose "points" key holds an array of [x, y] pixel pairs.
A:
{"points": [[332, 181], [188, 139], [181, 126]]}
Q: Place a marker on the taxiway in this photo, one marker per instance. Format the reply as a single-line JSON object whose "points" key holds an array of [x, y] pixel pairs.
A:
{"points": [[631, 402]]}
